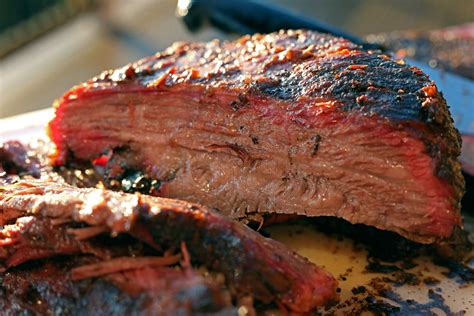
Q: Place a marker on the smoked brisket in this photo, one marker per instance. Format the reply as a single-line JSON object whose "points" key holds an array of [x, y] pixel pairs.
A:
{"points": [[294, 122], [43, 219]]}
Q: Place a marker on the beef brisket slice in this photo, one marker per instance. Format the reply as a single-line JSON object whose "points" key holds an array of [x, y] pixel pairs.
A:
{"points": [[252, 265], [294, 122], [46, 288]]}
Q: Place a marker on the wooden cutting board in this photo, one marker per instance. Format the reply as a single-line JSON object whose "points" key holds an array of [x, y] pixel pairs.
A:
{"points": [[399, 282]]}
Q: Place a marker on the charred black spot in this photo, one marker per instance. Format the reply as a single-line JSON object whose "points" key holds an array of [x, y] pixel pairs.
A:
{"points": [[254, 140], [430, 281], [377, 266], [359, 290], [234, 105], [316, 140], [289, 88], [240, 103], [136, 181], [32, 296]]}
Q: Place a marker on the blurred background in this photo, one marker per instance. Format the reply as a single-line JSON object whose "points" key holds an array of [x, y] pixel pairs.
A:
{"points": [[47, 46]]}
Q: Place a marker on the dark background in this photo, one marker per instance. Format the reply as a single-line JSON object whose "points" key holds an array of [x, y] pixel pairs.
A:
{"points": [[358, 16]]}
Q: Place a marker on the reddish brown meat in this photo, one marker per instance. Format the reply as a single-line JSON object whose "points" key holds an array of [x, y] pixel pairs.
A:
{"points": [[448, 48], [30, 238], [15, 159], [47, 289], [115, 276], [252, 265], [293, 122]]}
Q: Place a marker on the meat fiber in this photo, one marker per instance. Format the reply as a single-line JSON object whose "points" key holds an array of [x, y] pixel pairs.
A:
{"points": [[43, 219], [294, 122]]}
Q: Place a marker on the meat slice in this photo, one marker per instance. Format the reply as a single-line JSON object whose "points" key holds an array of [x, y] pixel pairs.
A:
{"points": [[30, 238], [448, 48], [294, 122], [110, 278], [47, 289], [15, 159], [252, 265]]}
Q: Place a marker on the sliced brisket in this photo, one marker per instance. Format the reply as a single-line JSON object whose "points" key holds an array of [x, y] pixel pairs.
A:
{"points": [[41, 219], [31, 160], [294, 122], [451, 49], [15, 159], [46, 288]]}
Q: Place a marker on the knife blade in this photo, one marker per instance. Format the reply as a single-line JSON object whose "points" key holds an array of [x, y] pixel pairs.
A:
{"points": [[247, 16], [458, 92]]}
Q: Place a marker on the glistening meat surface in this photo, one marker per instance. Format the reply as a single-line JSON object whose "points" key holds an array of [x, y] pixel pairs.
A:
{"points": [[294, 122], [252, 265]]}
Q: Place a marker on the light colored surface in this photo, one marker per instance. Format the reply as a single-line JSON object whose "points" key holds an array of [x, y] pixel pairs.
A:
{"points": [[335, 255], [26, 126]]}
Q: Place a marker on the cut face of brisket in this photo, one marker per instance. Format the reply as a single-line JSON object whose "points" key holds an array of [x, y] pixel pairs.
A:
{"points": [[294, 122], [42, 219]]}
